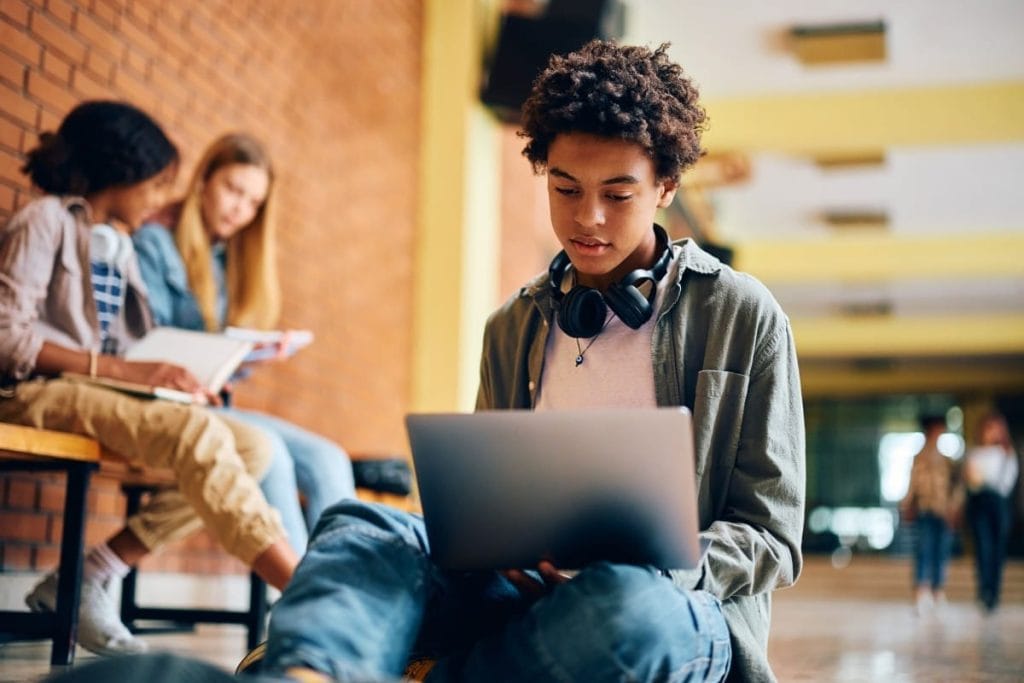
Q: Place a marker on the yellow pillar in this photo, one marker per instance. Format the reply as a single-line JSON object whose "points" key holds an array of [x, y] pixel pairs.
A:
{"points": [[456, 278]]}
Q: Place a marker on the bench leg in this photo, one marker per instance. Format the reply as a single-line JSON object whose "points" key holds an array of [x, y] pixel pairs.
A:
{"points": [[133, 499], [69, 581], [257, 617]]}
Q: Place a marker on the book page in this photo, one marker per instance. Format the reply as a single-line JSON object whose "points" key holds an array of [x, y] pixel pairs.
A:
{"points": [[212, 358]]}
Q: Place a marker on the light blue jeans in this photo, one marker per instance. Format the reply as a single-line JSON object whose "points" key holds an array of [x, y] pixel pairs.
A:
{"points": [[301, 461], [366, 596]]}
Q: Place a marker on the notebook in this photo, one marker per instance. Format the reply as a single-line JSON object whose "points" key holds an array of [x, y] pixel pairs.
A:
{"points": [[505, 489]]}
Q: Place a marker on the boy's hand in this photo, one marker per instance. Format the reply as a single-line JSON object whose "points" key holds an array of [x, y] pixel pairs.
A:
{"points": [[531, 587]]}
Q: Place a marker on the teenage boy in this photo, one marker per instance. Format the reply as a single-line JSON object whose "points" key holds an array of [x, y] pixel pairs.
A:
{"points": [[622, 318]]}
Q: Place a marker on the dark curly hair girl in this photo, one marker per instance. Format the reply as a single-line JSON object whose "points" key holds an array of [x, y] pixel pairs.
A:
{"points": [[613, 91], [99, 144]]}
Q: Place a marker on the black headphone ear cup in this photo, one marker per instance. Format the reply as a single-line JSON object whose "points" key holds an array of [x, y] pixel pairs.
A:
{"points": [[629, 303], [582, 312]]}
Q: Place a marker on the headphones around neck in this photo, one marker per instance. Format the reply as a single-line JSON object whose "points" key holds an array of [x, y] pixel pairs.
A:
{"points": [[110, 246], [582, 311]]}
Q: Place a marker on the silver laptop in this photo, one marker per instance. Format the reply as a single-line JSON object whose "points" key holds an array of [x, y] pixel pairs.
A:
{"points": [[505, 489]]}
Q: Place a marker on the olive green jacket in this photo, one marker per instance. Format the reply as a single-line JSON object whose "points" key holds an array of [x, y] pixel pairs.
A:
{"points": [[723, 348]]}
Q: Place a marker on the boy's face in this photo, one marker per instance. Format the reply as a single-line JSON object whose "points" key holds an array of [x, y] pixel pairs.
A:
{"points": [[603, 195]]}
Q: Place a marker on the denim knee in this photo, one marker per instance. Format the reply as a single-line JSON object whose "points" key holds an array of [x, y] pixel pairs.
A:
{"points": [[636, 621], [372, 519]]}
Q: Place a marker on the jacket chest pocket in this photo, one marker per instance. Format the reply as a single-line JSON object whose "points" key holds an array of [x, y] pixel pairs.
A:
{"points": [[717, 422]]}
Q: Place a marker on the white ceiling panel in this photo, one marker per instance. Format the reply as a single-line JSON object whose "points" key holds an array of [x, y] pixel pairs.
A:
{"points": [[737, 48]]}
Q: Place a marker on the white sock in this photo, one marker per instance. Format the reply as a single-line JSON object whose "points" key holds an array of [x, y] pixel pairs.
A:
{"points": [[103, 564]]}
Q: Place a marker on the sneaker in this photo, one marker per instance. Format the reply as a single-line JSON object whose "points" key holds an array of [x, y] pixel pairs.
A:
{"points": [[99, 626]]}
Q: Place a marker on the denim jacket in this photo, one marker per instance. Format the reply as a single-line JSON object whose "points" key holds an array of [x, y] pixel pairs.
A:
{"points": [[163, 270], [723, 348]]}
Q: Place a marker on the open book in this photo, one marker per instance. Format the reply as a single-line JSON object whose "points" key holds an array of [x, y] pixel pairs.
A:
{"points": [[212, 358]]}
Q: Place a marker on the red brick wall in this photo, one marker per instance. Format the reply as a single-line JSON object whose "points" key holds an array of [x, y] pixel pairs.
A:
{"points": [[333, 87]]}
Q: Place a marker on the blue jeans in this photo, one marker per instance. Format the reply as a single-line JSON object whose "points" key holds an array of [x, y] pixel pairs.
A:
{"points": [[366, 596], [990, 517], [934, 541], [301, 461]]}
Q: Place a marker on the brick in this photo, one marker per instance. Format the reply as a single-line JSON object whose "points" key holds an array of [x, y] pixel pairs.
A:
{"points": [[99, 64], [23, 526], [105, 503], [12, 71], [171, 39], [64, 10], [108, 12], [15, 41], [89, 86], [170, 86], [173, 14], [16, 557], [98, 530], [15, 11], [140, 13], [98, 36], [139, 38], [7, 196], [10, 135], [45, 557], [49, 120], [136, 61], [10, 166], [54, 96], [51, 497], [132, 88], [22, 493], [56, 66], [55, 528], [58, 37]]}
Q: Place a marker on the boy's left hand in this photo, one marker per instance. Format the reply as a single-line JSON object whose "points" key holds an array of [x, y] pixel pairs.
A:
{"points": [[532, 588]]}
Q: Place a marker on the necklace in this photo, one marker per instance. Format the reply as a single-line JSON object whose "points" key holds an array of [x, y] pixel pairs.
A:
{"points": [[580, 352]]}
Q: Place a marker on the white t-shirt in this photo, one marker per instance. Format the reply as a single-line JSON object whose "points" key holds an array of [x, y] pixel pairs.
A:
{"points": [[991, 467], [616, 372]]}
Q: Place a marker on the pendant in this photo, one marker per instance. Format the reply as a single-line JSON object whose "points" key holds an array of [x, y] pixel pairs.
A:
{"points": [[579, 360]]}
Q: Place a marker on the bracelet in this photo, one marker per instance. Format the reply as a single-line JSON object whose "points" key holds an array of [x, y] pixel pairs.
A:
{"points": [[93, 362]]}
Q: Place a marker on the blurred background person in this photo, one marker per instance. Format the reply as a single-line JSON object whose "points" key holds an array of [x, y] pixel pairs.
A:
{"points": [[990, 472], [209, 261], [931, 503]]}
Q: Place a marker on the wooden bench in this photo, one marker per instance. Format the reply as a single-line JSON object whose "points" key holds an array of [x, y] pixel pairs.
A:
{"points": [[28, 449]]}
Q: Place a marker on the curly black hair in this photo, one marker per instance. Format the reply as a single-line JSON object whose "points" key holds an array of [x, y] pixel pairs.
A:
{"points": [[99, 144], [625, 92]]}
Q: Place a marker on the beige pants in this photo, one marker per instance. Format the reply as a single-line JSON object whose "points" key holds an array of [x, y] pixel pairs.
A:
{"points": [[217, 461]]}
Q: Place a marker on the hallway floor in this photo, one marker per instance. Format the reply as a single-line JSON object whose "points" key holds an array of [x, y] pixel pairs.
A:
{"points": [[847, 625]]}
